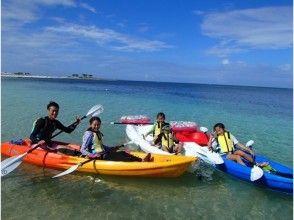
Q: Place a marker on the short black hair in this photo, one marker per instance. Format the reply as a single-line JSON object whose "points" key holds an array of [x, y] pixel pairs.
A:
{"points": [[160, 114], [52, 103], [95, 118], [220, 125]]}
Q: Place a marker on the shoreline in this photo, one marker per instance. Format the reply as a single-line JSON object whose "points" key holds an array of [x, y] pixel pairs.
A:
{"points": [[49, 77]]}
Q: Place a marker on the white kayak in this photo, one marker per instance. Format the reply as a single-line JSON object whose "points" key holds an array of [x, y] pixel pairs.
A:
{"points": [[135, 134]]}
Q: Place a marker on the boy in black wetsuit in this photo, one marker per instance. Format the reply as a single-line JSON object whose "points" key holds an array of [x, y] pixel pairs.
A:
{"points": [[44, 127]]}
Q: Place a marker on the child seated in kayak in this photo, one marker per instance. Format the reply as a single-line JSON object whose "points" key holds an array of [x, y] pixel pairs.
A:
{"points": [[93, 146], [169, 142], [156, 130], [226, 142]]}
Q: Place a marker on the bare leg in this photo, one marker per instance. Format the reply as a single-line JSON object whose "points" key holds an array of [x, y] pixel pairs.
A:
{"points": [[236, 158], [242, 154]]}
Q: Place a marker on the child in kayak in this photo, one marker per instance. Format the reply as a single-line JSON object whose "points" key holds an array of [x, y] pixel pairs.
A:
{"points": [[93, 146], [226, 142], [43, 128], [156, 130], [169, 142]]}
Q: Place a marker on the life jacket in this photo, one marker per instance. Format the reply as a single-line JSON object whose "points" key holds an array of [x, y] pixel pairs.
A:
{"points": [[225, 142], [158, 128], [97, 144], [167, 140]]}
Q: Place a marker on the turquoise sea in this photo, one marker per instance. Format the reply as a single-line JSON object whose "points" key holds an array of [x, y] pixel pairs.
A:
{"points": [[261, 114]]}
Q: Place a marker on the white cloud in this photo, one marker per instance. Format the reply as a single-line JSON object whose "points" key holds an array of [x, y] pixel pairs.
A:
{"points": [[286, 67], [27, 11], [88, 7], [121, 24], [109, 37], [266, 28], [16, 13], [198, 12], [223, 50], [225, 62]]}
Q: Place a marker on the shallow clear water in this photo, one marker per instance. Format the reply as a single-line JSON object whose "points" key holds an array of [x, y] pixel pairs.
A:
{"points": [[261, 114]]}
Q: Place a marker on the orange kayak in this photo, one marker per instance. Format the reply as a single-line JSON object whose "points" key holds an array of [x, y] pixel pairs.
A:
{"points": [[162, 166]]}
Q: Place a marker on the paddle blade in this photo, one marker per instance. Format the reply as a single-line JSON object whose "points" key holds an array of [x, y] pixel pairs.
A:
{"points": [[256, 173], [130, 142], [95, 110], [68, 171], [9, 168], [216, 158], [213, 157], [11, 160]]}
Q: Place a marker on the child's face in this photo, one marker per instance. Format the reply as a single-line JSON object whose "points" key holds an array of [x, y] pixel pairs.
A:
{"points": [[95, 125], [160, 119], [219, 131]]}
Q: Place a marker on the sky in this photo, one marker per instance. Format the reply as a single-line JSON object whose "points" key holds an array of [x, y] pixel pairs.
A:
{"points": [[235, 42]]}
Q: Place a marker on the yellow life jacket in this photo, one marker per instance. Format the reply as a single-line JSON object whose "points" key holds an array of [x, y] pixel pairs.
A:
{"points": [[225, 142], [97, 142], [158, 128], [167, 140]]}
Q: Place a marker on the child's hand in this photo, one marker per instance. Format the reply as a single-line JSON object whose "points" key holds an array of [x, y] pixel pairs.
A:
{"points": [[92, 156], [41, 142]]}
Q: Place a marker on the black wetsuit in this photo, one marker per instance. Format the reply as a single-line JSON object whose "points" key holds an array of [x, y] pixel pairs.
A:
{"points": [[44, 129]]}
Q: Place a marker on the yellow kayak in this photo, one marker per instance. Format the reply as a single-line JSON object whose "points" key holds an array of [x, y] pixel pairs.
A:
{"points": [[161, 166]]}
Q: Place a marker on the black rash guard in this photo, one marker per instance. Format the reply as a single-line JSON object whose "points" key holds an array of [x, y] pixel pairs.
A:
{"points": [[44, 129]]}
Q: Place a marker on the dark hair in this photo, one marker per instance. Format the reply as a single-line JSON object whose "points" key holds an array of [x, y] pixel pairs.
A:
{"points": [[160, 114], [220, 125], [51, 103], [95, 118]]}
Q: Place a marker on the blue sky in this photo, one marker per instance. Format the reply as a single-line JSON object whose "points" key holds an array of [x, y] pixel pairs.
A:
{"points": [[246, 42]]}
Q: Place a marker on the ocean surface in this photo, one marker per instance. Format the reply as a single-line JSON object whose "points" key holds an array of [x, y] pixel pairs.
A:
{"points": [[261, 114]]}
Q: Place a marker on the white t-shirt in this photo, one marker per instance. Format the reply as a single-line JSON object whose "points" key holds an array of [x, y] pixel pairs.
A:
{"points": [[232, 137]]}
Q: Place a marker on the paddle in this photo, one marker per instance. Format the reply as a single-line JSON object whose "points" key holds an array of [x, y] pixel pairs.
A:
{"points": [[256, 172], [212, 155], [75, 167], [10, 164], [268, 168]]}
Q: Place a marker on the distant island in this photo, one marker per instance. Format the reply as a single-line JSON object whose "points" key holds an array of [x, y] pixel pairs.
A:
{"points": [[29, 75]]}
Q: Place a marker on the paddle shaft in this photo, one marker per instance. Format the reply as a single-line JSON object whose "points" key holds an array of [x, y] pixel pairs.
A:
{"points": [[130, 123], [75, 123], [87, 161]]}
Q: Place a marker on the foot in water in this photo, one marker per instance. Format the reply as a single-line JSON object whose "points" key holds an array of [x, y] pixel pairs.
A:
{"points": [[263, 164]]}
